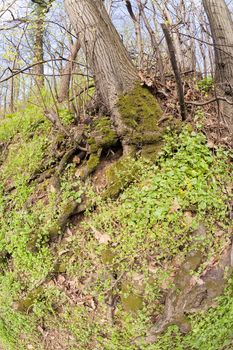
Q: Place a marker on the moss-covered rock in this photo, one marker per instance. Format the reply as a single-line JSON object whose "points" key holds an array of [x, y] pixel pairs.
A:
{"points": [[26, 304]]}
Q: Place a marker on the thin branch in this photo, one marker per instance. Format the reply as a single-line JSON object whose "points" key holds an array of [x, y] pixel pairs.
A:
{"points": [[216, 99], [35, 64]]}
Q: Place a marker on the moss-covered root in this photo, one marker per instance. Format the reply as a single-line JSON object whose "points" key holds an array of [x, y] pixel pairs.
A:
{"points": [[89, 166], [101, 135], [119, 175]]}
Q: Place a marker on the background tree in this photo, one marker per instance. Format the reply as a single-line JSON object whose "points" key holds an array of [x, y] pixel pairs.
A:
{"points": [[41, 8], [221, 25]]}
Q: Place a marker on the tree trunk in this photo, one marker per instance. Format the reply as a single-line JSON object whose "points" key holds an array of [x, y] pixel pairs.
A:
{"points": [[134, 110], [221, 25], [175, 67], [67, 72], [175, 38], [113, 71], [137, 27], [154, 41], [38, 69]]}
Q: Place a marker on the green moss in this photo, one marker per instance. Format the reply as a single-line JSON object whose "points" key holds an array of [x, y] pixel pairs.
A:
{"points": [[150, 151], [140, 112], [93, 162], [89, 166], [120, 174], [26, 304], [107, 256], [54, 231], [132, 302], [131, 299], [101, 134], [60, 267]]}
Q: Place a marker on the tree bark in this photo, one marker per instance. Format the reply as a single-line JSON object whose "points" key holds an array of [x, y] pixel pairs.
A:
{"points": [[175, 38], [221, 26], [154, 41], [38, 69], [67, 72], [113, 71], [175, 67]]}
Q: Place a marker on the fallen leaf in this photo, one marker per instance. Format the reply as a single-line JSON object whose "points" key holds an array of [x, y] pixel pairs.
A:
{"points": [[175, 206], [102, 238], [188, 218], [52, 189]]}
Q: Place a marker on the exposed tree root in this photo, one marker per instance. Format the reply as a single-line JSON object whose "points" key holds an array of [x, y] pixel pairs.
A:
{"points": [[191, 294]]}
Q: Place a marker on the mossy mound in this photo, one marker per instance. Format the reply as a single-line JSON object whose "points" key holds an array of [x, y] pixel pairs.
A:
{"points": [[140, 113], [139, 110]]}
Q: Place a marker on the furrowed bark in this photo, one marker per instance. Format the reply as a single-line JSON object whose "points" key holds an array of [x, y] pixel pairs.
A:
{"points": [[221, 26], [114, 73]]}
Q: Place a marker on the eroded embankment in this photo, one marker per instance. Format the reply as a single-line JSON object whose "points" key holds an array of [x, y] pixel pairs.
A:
{"points": [[131, 257]]}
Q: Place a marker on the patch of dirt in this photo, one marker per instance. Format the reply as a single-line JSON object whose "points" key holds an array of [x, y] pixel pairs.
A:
{"points": [[58, 339]]}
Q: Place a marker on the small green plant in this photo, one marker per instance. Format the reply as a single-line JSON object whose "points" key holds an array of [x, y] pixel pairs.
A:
{"points": [[206, 84], [66, 116], [24, 121]]}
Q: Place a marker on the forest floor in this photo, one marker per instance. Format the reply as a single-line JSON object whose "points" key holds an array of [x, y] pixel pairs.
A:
{"points": [[137, 255]]}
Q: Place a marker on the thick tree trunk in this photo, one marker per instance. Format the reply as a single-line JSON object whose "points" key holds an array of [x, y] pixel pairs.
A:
{"points": [[221, 25], [134, 111], [113, 71]]}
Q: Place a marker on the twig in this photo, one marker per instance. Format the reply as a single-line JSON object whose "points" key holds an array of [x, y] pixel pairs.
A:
{"points": [[216, 99]]}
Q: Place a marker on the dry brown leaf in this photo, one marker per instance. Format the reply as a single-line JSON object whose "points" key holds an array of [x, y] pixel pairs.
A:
{"points": [[196, 281], [175, 206], [188, 217], [102, 238], [76, 160], [61, 279], [52, 189]]}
